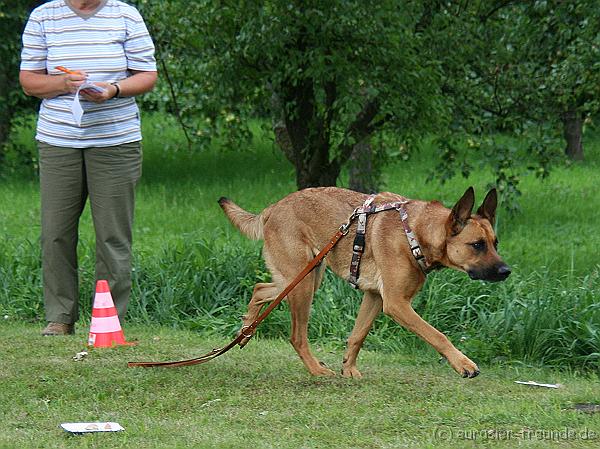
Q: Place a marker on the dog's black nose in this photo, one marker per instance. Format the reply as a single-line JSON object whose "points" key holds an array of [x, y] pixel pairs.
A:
{"points": [[495, 273], [504, 271]]}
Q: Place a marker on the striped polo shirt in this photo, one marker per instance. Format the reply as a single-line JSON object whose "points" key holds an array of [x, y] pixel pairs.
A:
{"points": [[107, 44]]}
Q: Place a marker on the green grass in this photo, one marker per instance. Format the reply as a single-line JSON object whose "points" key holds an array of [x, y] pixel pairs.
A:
{"points": [[262, 397]]}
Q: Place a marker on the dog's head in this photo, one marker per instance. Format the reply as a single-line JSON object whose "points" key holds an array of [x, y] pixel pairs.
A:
{"points": [[471, 242]]}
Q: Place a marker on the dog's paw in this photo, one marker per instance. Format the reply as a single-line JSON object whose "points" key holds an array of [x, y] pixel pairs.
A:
{"points": [[351, 371], [464, 366], [470, 374], [322, 370]]}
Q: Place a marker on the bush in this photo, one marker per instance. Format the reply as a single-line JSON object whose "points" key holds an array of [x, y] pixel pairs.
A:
{"points": [[205, 285]]}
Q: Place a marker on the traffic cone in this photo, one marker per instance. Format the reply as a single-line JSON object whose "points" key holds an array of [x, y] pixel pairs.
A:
{"points": [[105, 330]]}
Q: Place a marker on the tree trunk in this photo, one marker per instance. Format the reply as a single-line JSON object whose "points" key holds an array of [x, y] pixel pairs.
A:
{"points": [[362, 175], [573, 132], [302, 134], [317, 176], [315, 170]]}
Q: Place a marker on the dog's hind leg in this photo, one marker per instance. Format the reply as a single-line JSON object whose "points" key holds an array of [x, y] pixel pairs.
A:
{"points": [[300, 300], [370, 307], [287, 253], [262, 294], [266, 292]]}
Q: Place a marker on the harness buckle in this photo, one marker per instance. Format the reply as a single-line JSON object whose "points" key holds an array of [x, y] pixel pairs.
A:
{"points": [[417, 253]]}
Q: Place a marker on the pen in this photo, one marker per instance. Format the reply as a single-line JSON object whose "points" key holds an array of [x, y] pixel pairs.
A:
{"points": [[64, 69]]}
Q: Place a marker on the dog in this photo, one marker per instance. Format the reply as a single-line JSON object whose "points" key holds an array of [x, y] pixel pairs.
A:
{"points": [[295, 229]]}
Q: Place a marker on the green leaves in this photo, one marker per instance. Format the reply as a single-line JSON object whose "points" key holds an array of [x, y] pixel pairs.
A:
{"points": [[318, 66], [332, 73], [12, 100]]}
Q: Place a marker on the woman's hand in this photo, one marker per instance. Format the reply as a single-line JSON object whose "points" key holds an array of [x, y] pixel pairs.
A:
{"points": [[39, 84], [99, 97], [72, 81]]}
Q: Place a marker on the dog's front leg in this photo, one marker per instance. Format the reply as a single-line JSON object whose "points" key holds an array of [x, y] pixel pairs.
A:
{"points": [[400, 309], [369, 309]]}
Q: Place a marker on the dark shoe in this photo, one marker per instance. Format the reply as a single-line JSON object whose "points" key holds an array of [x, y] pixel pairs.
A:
{"points": [[58, 329]]}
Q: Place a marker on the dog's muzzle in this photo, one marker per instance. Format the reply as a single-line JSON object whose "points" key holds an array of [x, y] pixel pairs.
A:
{"points": [[494, 274]]}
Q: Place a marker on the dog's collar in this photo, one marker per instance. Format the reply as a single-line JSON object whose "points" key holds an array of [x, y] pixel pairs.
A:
{"points": [[368, 208]]}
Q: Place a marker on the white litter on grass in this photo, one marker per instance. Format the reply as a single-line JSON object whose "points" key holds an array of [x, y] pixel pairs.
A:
{"points": [[87, 427], [537, 384], [206, 404], [80, 356]]}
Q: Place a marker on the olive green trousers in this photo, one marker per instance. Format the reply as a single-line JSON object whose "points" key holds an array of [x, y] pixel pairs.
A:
{"points": [[68, 176]]}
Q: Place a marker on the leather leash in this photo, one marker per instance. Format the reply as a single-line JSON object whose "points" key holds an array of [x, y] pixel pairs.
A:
{"points": [[248, 331]]}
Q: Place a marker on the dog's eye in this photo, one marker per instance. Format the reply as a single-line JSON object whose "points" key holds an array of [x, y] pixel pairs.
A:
{"points": [[479, 245]]}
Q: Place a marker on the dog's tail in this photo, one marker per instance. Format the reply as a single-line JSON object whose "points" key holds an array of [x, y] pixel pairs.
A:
{"points": [[249, 224]]}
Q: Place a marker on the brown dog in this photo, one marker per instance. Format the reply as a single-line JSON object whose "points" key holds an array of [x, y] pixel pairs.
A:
{"points": [[298, 226]]}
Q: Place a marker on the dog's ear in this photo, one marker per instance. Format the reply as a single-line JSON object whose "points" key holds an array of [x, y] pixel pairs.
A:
{"points": [[461, 212], [487, 209]]}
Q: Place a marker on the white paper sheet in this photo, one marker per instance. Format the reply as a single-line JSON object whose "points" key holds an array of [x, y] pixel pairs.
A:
{"points": [[91, 86], [85, 427], [537, 384], [76, 108]]}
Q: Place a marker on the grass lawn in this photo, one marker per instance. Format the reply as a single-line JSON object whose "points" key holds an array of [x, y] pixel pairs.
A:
{"points": [[262, 397]]}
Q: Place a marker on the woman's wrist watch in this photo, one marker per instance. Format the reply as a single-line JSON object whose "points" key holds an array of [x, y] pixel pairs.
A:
{"points": [[118, 91]]}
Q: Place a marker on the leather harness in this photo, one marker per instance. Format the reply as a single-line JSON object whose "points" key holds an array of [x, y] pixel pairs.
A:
{"points": [[357, 251], [358, 247]]}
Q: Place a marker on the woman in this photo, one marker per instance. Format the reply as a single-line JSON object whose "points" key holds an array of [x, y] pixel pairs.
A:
{"points": [[67, 43]]}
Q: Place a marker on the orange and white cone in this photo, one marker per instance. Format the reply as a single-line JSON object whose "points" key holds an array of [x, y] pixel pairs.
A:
{"points": [[105, 330]]}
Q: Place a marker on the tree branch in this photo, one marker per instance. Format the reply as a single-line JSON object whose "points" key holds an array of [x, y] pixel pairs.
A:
{"points": [[360, 128], [427, 17], [282, 137], [501, 4], [175, 104]]}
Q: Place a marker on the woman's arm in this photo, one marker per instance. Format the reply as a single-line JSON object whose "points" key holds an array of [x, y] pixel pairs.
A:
{"points": [[138, 83], [37, 83]]}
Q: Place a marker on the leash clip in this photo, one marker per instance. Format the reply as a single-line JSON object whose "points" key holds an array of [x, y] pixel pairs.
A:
{"points": [[247, 331], [345, 228]]}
